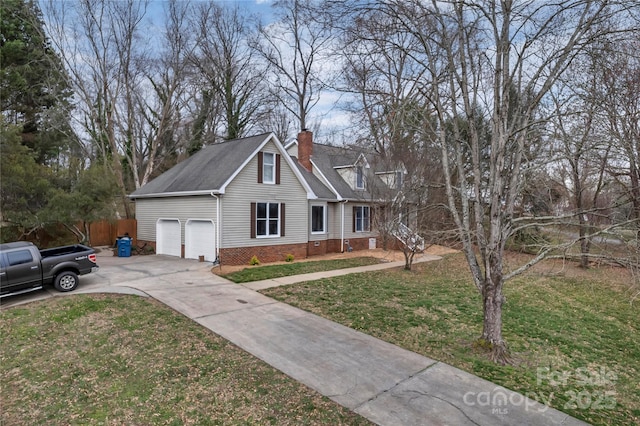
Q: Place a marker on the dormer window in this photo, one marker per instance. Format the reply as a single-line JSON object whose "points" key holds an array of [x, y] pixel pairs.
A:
{"points": [[269, 168], [359, 178]]}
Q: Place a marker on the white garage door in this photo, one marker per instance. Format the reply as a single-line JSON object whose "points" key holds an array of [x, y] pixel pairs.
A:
{"points": [[168, 237], [200, 239]]}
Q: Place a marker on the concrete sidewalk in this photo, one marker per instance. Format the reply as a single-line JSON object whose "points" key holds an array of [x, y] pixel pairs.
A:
{"points": [[276, 282]]}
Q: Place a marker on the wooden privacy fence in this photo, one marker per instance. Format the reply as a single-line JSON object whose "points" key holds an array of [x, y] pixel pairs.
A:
{"points": [[105, 233]]}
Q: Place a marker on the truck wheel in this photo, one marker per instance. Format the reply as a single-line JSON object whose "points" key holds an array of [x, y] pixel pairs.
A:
{"points": [[66, 281]]}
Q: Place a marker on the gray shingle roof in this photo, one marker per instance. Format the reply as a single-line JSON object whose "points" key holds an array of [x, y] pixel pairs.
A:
{"points": [[318, 188], [207, 170], [327, 158], [213, 166]]}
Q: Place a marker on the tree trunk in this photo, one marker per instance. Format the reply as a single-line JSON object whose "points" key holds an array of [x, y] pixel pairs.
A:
{"points": [[87, 232], [585, 242], [492, 300], [408, 258], [585, 247]]}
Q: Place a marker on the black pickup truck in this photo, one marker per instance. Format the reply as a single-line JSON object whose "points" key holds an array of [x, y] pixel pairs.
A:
{"points": [[24, 268]]}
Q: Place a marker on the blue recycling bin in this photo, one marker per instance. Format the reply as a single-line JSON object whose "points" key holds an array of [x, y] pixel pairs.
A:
{"points": [[124, 246]]}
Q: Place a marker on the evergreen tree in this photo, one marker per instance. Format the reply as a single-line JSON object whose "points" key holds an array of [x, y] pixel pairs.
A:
{"points": [[25, 187], [33, 89]]}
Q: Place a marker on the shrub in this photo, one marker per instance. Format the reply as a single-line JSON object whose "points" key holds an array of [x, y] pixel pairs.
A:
{"points": [[254, 261], [288, 258]]}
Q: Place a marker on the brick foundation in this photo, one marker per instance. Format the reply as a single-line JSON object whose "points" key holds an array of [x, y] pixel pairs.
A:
{"points": [[359, 243], [316, 248], [333, 246], [265, 254], [277, 253]]}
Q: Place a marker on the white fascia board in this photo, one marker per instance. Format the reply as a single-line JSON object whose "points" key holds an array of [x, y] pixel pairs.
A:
{"points": [[366, 201], [361, 160]]}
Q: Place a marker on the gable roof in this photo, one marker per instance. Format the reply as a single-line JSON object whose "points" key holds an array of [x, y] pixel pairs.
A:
{"points": [[212, 168], [327, 159]]}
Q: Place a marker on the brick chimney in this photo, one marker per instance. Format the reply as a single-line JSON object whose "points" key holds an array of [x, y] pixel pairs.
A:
{"points": [[305, 149]]}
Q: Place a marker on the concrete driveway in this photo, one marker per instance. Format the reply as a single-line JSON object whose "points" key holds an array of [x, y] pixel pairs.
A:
{"points": [[142, 272], [128, 275], [384, 383]]}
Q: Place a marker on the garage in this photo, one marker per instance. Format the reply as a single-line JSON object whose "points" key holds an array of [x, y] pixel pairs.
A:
{"points": [[168, 237], [200, 239]]}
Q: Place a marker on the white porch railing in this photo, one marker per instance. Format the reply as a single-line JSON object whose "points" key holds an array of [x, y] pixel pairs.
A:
{"points": [[408, 237]]}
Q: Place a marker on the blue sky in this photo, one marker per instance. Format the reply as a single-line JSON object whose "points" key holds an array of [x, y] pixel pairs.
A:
{"points": [[325, 111], [260, 7]]}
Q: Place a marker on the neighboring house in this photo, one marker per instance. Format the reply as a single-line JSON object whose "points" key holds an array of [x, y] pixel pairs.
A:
{"points": [[252, 197]]}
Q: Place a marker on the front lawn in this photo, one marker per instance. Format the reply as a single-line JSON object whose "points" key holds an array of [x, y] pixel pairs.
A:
{"points": [[126, 360], [575, 340], [257, 273]]}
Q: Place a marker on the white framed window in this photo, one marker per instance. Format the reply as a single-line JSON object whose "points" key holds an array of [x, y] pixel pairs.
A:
{"points": [[269, 167], [318, 219], [361, 219], [359, 178], [267, 220]]}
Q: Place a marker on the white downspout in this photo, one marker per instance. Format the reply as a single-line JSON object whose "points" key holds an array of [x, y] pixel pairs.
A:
{"points": [[342, 226], [217, 259]]}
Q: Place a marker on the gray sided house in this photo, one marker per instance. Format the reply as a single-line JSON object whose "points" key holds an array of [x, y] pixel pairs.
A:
{"points": [[254, 197]]}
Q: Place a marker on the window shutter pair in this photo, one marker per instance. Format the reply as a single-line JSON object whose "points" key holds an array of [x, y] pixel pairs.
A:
{"points": [[261, 166]]}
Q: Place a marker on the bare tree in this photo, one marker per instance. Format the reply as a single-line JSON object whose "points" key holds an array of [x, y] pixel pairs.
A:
{"points": [[488, 67], [163, 109], [382, 75], [295, 47], [583, 147], [385, 77], [128, 96], [231, 70], [619, 71], [277, 119]]}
